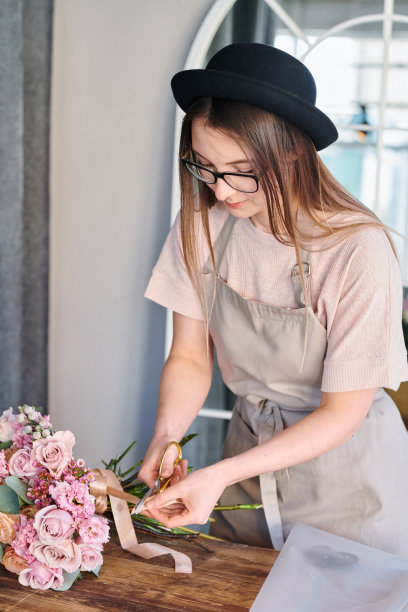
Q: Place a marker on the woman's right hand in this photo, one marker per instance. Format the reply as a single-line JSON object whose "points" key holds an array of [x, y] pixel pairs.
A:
{"points": [[149, 470]]}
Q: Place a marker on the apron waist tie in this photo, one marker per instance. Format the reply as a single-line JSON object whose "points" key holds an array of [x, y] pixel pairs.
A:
{"points": [[269, 423]]}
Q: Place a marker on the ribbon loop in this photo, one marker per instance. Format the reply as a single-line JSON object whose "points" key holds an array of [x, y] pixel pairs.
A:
{"points": [[106, 483]]}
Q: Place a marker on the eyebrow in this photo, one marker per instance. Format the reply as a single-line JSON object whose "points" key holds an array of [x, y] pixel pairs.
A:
{"points": [[233, 163]]}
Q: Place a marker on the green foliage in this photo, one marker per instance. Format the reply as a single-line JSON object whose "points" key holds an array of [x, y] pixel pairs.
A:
{"points": [[4, 445], [96, 570], [9, 502], [1, 551], [69, 580], [20, 488]]}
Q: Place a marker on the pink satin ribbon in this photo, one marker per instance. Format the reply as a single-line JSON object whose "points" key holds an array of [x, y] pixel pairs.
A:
{"points": [[105, 480]]}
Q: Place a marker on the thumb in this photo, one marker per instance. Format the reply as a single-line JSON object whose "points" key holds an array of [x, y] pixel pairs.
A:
{"points": [[165, 498]]}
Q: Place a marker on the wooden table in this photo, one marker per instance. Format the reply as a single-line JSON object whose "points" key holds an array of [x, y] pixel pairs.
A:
{"points": [[225, 577]]}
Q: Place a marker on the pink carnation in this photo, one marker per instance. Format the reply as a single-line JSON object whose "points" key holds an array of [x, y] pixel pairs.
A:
{"points": [[53, 525], [54, 452], [75, 498], [4, 472], [26, 535], [94, 530], [20, 464], [37, 576], [22, 440]]}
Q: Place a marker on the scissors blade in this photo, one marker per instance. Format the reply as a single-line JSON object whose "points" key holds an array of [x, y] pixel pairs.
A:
{"points": [[137, 509]]}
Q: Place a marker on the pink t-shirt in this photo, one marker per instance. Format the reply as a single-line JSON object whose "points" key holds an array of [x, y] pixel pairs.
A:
{"points": [[356, 294]]}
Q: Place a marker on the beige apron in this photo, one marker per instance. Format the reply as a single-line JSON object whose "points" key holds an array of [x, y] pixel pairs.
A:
{"points": [[358, 490]]}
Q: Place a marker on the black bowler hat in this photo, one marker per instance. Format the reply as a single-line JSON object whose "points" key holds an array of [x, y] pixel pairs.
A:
{"points": [[262, 76]]}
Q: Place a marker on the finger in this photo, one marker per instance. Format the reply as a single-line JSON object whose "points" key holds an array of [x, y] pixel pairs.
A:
{"points": [[180, 472], [169, 460], [174, 479], [176, 519], [183, 468], [170, 495], [168, 511]]}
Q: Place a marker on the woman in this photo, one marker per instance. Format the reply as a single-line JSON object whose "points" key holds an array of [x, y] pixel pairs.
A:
{"points": [[297, 286]]}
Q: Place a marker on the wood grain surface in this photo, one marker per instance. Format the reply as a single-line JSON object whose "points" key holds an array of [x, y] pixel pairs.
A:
{"points": [[225, 577]]}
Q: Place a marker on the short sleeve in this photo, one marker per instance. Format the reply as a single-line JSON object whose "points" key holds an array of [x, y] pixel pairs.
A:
{"points": [[170, 285], [365, 343]]}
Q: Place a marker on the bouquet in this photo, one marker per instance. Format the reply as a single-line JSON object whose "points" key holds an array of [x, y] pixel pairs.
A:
{"points": [[49, 532]]}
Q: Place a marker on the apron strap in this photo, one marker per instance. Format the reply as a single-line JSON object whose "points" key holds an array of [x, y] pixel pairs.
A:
{"points": [[269, 424], [297, 280], [221, 244]]}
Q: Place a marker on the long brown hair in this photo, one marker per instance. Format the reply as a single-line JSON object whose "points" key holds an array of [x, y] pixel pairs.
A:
{"points": [[289, 169]]}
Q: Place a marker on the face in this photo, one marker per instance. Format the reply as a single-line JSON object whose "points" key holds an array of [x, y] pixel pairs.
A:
{"points": [[222, 153]]}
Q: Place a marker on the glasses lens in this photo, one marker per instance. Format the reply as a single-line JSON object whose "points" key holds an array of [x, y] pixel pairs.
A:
{"points": [[200, 173], [241, 182]]}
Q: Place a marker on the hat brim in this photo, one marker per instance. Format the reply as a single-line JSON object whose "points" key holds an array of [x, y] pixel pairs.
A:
{"points": [[189, 85]]}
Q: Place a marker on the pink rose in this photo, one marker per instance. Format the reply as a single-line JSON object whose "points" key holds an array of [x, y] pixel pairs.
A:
{"points": [[7, 421], [65, 554], [37, 576], [54, 452], [91, 557], [94, 530], [4, 471], [20, 464], [53, 525]]}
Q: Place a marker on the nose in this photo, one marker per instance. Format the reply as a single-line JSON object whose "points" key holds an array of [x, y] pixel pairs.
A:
{"points": [[221, 189]]}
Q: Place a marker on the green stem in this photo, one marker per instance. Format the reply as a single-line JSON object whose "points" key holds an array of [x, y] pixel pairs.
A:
{"points": [[240, 507], [202, 535]]}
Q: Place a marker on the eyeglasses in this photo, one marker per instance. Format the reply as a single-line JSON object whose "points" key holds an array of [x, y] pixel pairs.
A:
{"points": [[248, 183]]}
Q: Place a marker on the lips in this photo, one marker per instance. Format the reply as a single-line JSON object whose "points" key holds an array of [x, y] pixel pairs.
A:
{"points": [[235, 204]]}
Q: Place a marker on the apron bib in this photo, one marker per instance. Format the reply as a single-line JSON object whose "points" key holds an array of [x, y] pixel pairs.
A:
{"points": [[358, 490]]}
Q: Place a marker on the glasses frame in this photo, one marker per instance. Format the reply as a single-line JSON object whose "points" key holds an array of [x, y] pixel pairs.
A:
{"points": [[217, 175]]}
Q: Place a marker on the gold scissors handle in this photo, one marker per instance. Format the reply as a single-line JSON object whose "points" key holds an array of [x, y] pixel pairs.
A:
{"points": [[177, 461], [158, 485]]}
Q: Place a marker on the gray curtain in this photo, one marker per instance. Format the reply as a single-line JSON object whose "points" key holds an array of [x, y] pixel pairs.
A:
{"points": [[25, 61]]}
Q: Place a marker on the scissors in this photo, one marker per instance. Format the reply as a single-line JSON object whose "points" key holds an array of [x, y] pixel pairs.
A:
{"points": [[159, 486]]}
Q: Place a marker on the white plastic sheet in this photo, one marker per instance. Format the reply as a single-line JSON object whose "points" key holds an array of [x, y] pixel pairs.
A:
{"points": [[317, 571]]}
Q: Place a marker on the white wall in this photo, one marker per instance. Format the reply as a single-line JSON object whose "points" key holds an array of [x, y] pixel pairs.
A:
{"points": [[111, 147]]}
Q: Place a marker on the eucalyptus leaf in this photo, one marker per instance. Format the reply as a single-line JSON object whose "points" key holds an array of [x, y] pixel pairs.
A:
{"points": [[69, 580], [4, 445], [9, 503], [19, 487], [96, 570], [1, 551]]}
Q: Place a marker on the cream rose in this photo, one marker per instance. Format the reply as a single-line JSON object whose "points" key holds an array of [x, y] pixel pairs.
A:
{"points": [[37, 576], [54, 452], [53, 525], [7, 531], [13, 562], [6, 425], [65, 554]]}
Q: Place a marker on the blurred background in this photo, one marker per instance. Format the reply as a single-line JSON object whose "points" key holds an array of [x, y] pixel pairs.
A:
{"points": [[88, 189]]}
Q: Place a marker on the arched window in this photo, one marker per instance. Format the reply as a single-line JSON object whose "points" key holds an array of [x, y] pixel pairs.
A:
{"points": [[357, 51]]}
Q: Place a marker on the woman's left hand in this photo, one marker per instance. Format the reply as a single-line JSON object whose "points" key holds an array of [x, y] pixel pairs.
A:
{"points": [[189, 501]]}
